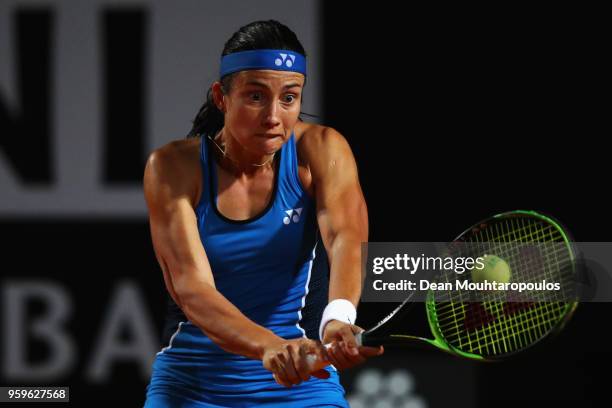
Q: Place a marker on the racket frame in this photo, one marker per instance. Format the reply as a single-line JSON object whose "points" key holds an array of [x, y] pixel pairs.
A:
{"points": [[369, 338]]}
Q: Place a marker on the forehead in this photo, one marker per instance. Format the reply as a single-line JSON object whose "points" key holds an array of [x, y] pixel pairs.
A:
{"points": [[268, 78]]}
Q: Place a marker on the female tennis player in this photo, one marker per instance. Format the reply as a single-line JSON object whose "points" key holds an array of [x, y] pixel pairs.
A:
{"points": [[236, 211]]}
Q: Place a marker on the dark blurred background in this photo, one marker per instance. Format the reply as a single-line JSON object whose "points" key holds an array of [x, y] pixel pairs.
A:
{"points": [[453, 114]]}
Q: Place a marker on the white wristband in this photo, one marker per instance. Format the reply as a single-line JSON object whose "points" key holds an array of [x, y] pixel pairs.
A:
{"points": [[338, 309]]}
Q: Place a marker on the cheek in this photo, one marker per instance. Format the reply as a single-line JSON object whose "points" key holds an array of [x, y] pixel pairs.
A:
{"points": [[290, 122], [241, 120], [289, 117], [240, 113]]}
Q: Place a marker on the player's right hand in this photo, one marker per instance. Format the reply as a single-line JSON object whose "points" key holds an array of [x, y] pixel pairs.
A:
{"points": [[288, 360], [342, 349]]}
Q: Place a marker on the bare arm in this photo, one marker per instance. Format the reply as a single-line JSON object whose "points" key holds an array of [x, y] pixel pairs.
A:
{"points": [[187, 274], [343, 221], [341, 212]]}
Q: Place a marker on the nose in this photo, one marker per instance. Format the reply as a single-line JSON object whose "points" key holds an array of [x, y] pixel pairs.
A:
{"points": [[271, 114]]}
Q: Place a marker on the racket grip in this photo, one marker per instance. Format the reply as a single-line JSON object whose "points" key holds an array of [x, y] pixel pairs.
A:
{"points": [[314, 363]]}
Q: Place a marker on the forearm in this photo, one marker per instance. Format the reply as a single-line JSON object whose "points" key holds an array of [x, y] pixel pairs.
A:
{"points": [[224, 323], [345, 267]]}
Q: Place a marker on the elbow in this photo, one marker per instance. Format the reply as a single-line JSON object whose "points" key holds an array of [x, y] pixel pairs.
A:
{"points": [[188, 290], [348, 241], [200, 306]]}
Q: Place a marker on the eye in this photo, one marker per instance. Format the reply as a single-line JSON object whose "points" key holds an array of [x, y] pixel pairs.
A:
{"points": [[255, 96], [290, 98]]}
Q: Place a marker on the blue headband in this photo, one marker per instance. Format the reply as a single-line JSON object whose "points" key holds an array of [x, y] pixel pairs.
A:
{"points": [[278, 60]]}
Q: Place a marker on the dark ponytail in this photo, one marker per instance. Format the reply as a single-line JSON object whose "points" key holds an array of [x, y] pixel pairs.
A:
{"points": [[254, 36], [209, 120]]}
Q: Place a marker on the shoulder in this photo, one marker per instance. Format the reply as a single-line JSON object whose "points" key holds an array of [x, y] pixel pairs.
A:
{"points": [[312, 136], [320, 147], [176, 152], [173, 168]]}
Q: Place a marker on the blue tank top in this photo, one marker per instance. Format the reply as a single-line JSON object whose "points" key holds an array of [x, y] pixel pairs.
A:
{"points": [[270, 266], [262, 265]]}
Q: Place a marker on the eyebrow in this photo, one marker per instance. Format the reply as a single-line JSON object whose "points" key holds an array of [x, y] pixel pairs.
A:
{"points": [[257, 83]]}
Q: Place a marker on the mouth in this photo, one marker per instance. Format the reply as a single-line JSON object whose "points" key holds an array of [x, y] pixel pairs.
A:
{"points": [[269, 135]]}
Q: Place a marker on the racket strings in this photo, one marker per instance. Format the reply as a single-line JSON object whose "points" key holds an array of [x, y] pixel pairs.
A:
{"points": [[506, 334], [524, 265], [496, 326]]}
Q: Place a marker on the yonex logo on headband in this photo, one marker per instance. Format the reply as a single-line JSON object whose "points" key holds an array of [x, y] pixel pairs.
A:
{"points": [[288, 62], [278, 60]]}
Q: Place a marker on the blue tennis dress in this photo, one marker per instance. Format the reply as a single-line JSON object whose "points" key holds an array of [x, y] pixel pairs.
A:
{"points": [[269, 267]]}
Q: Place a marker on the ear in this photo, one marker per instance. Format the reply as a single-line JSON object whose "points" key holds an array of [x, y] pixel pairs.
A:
{"points": [[218, 96]]}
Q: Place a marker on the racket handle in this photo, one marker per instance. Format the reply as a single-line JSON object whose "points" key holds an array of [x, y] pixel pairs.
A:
{"points": [[369, 340], [315, 364]]}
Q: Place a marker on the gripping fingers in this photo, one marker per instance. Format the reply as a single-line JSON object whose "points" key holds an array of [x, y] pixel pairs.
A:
{"points": [[344, 357], [337, 357], [290, 369], [279, 373], [283, 368], [297, 361], [300, 358]]}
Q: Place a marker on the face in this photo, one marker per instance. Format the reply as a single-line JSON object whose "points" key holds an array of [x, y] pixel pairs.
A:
{"points": [[262, 108]]}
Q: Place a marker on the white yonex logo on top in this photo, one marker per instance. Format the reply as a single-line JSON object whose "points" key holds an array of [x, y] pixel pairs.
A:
{"points": [[292, 215], [288, 61]]}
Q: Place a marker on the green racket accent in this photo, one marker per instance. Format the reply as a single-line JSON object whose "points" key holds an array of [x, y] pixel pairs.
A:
{"points": [[534, 247], [439, 341], [496, 329]]}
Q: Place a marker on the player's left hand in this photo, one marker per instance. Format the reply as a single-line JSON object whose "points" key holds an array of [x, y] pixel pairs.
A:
{"points": [[344, 352]]}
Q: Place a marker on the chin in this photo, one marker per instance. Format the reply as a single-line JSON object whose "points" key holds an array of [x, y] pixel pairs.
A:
{"points": [[272, 145], [271, 151]]}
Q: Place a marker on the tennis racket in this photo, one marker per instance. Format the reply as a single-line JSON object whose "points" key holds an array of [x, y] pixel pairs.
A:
{"points": [[496, 329]]}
